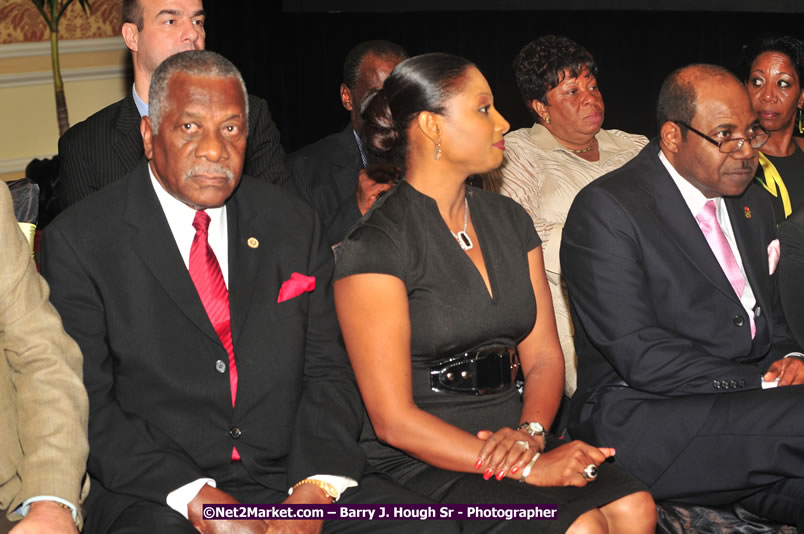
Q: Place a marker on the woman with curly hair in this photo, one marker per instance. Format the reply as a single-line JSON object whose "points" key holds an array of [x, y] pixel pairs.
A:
{"points": [[772, 69], [546, 165]]}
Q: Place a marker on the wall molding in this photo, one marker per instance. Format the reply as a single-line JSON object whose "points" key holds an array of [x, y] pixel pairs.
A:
{"points": [[70, 46], [8, 166], [22, 79]]}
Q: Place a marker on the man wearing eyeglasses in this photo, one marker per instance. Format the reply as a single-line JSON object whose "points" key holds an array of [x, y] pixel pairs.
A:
{"points": [[686, 365]]}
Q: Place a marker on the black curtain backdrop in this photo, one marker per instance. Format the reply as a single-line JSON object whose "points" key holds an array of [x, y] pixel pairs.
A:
{"points": [[294, 59]]}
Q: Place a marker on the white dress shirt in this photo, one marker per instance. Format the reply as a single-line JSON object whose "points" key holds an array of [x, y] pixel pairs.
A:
{"points": [[180, 219]]}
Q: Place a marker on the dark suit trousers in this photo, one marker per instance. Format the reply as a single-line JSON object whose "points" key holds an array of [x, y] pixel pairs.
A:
{"points": [[148, 517], [751, 451]]}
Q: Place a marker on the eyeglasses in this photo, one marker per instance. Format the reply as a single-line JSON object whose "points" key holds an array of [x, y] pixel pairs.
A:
{"points": [[729, 146]]}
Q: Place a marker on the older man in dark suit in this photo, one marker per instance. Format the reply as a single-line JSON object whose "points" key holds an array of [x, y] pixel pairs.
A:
{"points": [[686, 365], [328, 172], [106, 146], [202, 303]]}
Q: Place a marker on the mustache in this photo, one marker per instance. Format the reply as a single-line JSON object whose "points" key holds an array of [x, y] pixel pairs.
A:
{"points": [[215, 169]]}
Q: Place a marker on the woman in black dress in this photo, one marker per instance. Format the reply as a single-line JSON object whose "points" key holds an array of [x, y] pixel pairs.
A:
{"points": [[436, 291], [773, 70]]}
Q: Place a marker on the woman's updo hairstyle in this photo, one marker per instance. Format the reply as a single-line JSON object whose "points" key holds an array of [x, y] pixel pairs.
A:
{"points": [[421, 83], [788, 45], [542, 64]]}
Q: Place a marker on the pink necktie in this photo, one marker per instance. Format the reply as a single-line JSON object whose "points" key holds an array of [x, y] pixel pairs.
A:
{"points": [[707, 220], [208, 279]]}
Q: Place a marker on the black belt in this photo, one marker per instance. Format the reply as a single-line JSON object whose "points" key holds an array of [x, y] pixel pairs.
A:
{"points": [[481, 371]]}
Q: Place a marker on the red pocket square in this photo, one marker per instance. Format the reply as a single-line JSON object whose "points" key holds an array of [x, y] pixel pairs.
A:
{"points": [[298, 284]]}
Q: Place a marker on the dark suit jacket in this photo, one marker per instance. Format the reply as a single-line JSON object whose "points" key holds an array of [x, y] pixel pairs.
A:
{"points": [[107, 146], [791, 272], [160, 411], [325, 174], [659, 331]]}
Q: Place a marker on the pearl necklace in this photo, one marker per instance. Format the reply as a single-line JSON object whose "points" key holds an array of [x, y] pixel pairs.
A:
{"points": [[584, 150], [462, 237]]}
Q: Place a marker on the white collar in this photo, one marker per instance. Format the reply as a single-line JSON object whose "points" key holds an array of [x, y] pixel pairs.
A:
{"points": [[692, 195], [180, 220]]}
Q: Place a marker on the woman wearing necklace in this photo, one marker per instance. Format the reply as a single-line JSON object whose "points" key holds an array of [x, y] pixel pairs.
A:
{"points": [[442, 299], [546, 165], [773, 68]]}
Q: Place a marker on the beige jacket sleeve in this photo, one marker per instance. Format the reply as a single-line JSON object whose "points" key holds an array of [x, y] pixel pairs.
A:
{"points": [[43, 403]]}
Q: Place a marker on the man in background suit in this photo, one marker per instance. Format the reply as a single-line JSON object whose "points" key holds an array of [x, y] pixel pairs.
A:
{"points": [[43, 404], [327, 173], [678, 327], [202, 302], [106, 146]]}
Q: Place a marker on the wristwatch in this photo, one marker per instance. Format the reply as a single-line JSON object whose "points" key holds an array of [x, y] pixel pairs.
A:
{"points": [[532, 428]]}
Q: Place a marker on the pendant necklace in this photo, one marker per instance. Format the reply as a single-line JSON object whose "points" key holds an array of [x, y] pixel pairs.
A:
{"points": [[462, 237]]}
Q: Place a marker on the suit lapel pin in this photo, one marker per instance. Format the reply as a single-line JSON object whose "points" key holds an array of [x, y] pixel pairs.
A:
{"points": [[747, 212], [253, 242]]}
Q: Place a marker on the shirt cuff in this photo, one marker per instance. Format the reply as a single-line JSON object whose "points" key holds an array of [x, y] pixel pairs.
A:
{"points": [[340, 484], [26, 506], [769, 385], [179, 499], [798, 355]]}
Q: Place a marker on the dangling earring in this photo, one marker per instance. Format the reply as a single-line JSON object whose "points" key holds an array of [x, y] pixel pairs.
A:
{"points": [[800, 122], [437, 153], [547, 119]]}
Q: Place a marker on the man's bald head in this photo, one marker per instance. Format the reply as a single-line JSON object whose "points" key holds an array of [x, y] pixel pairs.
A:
{"points": [[710, 102], [678, 95]]}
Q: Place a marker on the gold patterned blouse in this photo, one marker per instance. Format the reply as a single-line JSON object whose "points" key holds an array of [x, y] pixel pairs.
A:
{"points": [[544, 176]]}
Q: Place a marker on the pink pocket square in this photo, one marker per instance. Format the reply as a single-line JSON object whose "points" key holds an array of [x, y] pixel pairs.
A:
{"points": [[774, 252], [295, 286]]}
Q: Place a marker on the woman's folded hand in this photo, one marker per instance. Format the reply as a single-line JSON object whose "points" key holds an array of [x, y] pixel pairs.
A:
{"points": [[506, 452]]}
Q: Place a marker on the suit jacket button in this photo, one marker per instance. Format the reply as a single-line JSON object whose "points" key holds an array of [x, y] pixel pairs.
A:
{"points": [[738, 320], [724, 384], [741, 383], [220, 366], [235, 432], [716, 384], [733, 384]]}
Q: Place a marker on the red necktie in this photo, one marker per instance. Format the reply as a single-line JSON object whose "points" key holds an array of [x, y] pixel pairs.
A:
{"points": [[208, 279], [707, 220]]}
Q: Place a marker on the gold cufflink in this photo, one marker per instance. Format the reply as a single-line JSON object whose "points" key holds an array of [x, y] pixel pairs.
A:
{"points": [[253, 242]]}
